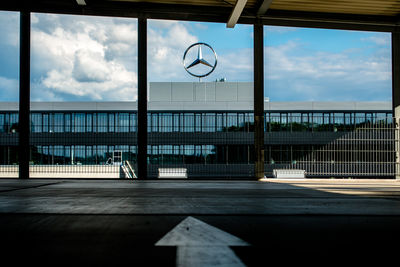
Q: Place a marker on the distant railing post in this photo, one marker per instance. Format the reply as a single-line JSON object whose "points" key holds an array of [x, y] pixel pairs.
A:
{"points": [[259, 99], [24, 93], [142, 100], [396, 95]]}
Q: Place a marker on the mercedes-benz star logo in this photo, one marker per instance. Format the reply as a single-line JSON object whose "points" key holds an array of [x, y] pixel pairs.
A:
{"points": [[200, 60]]}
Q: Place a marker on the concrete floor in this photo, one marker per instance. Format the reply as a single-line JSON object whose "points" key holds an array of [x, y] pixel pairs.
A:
{"points": [[118, 222]]}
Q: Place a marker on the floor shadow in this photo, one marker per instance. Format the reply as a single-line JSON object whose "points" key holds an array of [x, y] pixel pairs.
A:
{"points": [[283, 222]]}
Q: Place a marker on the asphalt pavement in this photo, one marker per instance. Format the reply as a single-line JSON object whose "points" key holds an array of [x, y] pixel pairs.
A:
{"points": [[198, 223]]}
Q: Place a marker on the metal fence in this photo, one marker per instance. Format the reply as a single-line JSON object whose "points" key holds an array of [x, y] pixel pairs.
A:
{"points": [[366, 149], [337, 145], [206, 144]]}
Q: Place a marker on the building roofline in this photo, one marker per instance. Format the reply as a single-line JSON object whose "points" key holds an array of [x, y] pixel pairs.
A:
{"points": [[184, 106]]}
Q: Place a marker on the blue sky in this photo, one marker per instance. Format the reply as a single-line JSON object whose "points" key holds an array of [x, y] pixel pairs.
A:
{"points": [[94, 59]]}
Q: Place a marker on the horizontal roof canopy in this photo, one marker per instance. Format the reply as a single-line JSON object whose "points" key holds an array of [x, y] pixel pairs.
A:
{"points": [[374, 15], [360, 7], [127, 106]]}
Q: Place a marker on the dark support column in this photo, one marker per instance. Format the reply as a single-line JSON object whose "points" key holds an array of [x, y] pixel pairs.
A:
{"points": [[24, 93], [142, 99], [259, 99], [396, 93]]}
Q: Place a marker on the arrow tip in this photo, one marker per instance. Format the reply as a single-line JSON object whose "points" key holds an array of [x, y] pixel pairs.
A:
{"points": [[193, 232]]}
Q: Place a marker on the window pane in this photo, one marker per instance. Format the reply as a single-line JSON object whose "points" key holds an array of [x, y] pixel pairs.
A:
{"points": [[83, 93], [9, 93], [204, 115]]}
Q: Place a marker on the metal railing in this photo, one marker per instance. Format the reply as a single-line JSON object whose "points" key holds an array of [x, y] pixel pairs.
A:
{"points": [[130, 171], [369, 150], [217, 146]]}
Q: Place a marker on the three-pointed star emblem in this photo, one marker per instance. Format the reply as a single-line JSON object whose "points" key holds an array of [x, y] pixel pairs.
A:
{"points": [[200, 60]]}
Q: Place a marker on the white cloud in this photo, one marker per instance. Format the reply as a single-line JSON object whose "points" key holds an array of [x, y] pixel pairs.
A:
{"points": [[304, 75], [9, 89], [380, 40], [166, 43], [319, 65], [236, 65], [118, 87], [93, 58], [90, 66], [279, 29], [80, 58], [9, 22], [8, 84], [85, 58]]}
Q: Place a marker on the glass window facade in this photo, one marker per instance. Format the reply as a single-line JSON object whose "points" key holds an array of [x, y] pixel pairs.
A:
{"points": [[121, 122], [308, 140]]}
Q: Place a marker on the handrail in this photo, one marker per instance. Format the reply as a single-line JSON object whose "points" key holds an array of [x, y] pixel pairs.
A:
{"points": [[131, 170], [126, 171]]}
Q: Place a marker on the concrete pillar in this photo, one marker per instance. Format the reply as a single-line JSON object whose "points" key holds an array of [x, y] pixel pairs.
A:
{"points": [[24, 94], [142, 100], [259, 99]]}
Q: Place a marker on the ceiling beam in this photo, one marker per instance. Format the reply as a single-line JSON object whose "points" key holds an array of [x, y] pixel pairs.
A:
{"points": [[264, 7], [206, 14], [81, 2], [236, 12]]}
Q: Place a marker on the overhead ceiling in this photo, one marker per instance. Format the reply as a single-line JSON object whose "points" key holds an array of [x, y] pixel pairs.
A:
{"points": [[379, 15], [359, 7]]}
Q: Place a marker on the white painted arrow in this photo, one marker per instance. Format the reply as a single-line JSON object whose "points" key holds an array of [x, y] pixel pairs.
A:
{"points": [[200, 244]]}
